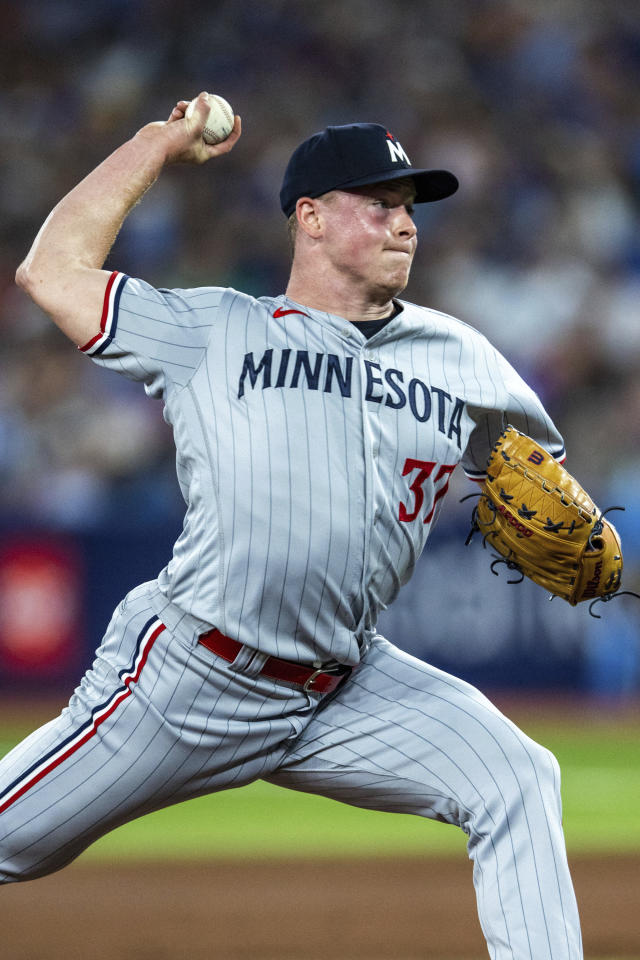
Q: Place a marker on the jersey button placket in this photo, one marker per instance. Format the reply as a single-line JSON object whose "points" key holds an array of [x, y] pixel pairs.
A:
{"points": [[356, 427], [370, 450]]}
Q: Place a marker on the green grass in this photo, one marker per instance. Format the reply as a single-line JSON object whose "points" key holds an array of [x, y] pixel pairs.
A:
{"points": [[601, 787]]}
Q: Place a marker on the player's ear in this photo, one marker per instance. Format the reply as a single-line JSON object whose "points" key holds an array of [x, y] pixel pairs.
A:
{"points": [[309, 217]]}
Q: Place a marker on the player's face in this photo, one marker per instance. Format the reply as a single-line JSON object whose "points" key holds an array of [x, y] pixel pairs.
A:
{"points": [[371, 237]]}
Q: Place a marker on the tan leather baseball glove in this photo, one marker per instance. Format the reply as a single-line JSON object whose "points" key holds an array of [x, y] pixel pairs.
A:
{"points": [[542, 523]]}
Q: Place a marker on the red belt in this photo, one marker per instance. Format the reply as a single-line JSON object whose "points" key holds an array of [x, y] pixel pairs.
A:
{"points": [[306, 677]]}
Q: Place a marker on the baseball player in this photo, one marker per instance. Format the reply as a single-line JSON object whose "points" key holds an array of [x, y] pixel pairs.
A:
{"points": [[316, 434]]}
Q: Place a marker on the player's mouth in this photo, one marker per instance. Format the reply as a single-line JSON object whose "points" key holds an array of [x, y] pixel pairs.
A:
{"points": [[406, 250]]}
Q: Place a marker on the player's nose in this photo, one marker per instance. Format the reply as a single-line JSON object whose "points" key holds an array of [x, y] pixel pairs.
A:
{"points": [[404, 224]]}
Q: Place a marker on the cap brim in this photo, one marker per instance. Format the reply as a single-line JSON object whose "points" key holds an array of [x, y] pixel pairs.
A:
{"points": [[430, 184]]}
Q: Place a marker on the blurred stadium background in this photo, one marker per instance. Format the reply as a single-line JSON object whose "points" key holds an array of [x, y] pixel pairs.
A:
{"points": [[535, 105]]}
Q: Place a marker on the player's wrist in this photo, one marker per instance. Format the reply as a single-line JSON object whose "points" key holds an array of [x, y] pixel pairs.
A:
{"points": [[156, 144], [164, 144]]}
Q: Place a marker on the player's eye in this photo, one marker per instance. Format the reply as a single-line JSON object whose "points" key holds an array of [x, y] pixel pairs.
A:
{"points": [[392, 204]]}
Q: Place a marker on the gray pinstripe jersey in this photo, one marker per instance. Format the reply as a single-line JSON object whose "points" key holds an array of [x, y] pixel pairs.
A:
{"points": [[313, 462]]}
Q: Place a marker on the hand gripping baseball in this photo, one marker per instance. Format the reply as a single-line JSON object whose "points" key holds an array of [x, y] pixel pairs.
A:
{"points": [[183, 135], [544, 525]]}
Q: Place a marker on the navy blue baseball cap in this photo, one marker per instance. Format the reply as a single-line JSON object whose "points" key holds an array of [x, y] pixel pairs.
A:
{"points": [[354, 155]]}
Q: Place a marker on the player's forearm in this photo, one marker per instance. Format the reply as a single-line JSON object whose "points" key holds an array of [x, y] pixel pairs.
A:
{"points": [[80, 231], [62, 272]]}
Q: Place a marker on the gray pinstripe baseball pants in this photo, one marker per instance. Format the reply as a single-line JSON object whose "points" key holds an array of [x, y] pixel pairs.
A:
{"points": [[157, 720]]}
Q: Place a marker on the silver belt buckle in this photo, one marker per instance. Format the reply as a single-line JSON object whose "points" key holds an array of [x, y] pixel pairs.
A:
{"points": [[308, 684]]}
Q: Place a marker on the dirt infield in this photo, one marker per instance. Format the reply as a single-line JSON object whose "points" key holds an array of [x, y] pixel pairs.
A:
{"points": [[363, 910]]}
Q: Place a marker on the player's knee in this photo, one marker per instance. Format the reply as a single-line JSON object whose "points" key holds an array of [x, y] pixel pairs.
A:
{"points": [[545, 765], [524, 781], [536, 777]]}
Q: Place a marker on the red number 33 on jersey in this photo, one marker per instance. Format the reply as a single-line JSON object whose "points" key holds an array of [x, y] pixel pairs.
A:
{"points": [[424, 470]]}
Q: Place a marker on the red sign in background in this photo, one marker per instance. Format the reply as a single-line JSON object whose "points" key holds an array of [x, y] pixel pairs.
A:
{"points": [[41, 591]]}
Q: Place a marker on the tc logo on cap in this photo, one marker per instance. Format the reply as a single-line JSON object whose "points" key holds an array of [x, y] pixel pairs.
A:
{"points": [[395, 149]]}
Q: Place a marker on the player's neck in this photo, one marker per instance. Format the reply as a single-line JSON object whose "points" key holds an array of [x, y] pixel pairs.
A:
{"points": [[338, 296]]}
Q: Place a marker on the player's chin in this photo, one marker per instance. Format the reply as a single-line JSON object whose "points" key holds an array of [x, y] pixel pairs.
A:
{"points": [[395, 282]]}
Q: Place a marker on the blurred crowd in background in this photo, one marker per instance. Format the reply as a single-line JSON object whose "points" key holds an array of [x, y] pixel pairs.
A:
{"points": [[534, 105]]}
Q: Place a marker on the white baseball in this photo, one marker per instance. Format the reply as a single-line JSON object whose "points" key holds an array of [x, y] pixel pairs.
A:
{"points": [[220, 120]]}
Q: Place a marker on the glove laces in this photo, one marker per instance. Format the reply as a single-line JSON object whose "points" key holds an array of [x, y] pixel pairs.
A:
{"points": [[511, 564]]}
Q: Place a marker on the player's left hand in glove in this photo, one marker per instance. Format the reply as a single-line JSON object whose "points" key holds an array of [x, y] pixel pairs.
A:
{"points": [[542, 523]]}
